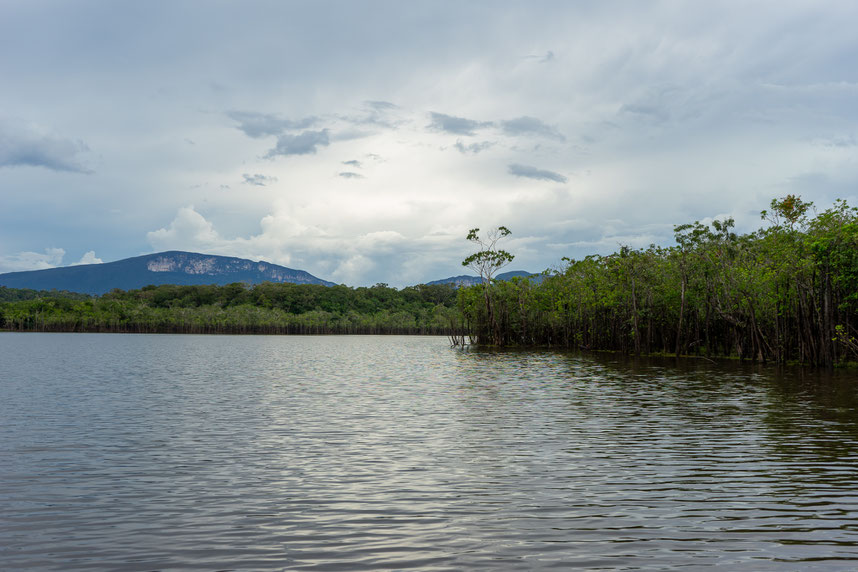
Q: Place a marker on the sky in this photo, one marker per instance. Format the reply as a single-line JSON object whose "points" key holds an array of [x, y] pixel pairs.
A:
{"points": [[361, 140]]}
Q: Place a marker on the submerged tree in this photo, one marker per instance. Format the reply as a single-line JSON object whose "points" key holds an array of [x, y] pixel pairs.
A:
{"points": [[486, 262], [786, 292]]}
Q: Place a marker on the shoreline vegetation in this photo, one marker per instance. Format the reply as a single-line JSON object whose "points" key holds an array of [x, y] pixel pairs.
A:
{"points": [[786, 293], [268, 308]]}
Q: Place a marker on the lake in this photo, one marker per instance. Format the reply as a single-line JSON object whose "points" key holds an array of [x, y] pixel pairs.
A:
{"points": [[159, 452]]}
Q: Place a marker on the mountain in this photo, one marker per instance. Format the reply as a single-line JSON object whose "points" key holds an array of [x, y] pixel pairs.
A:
{"points": [[465, 280], [172, 267]]}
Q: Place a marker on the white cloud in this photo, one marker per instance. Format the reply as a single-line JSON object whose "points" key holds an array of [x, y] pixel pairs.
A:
{"points": [[51, 258], [88, 258], [459, 115], [363, 259], [188, 231]]}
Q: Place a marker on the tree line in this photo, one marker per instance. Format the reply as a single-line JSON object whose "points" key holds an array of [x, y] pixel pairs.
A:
{"points": [[269, 308], [18, 294], [787, 292]]}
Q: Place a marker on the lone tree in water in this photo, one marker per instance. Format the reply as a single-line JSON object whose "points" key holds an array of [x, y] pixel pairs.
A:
{"points": [[486, 262]]}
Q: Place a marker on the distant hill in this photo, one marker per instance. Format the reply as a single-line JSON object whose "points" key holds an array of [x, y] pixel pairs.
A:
{"points": [[465, 280], [172, 267]]}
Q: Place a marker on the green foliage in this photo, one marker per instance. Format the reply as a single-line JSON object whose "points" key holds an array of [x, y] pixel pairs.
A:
{"points": [[486, 262], [489, 259], [237, 308], [785, 293], [790, 210], [17, 294]]}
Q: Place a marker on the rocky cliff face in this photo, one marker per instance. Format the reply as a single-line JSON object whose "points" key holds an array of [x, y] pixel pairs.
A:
{"points": [[209, 265]]}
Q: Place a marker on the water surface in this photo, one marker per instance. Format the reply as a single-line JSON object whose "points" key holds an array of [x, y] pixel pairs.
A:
{"points": [[132, 452]]}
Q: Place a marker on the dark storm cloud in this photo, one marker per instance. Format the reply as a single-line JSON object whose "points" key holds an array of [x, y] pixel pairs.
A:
{"points": [[456, 125], [304, 144], [473, 147], [529, 172], [530, 126], [258, 179], [258, 125], [351, 175], [23, 146]]}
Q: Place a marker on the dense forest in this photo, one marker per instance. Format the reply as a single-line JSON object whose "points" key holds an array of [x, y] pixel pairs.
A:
{"points": [[236, 308], [18, 294], [787, 292]]}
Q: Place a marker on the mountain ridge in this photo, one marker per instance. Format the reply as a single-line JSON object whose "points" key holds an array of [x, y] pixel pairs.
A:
{"points": [[169, 267], [467, 280]]}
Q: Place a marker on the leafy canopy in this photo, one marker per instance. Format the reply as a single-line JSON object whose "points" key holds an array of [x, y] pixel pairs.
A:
{"points": [[489, 259]]}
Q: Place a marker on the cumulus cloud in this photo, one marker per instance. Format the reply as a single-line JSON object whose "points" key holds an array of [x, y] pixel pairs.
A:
{"points": [[26, 145], [258, 179], [473, 147], [289, 238], [529, 172], [88, 258], [380, 242], [353, 163], [259, 125], [304, 144], [455, 125], [525, 125], [51, 258], [688, 110], [350, 175], [189, 230]]}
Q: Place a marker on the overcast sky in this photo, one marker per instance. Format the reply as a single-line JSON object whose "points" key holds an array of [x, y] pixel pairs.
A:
{"points": [[361, 140]]}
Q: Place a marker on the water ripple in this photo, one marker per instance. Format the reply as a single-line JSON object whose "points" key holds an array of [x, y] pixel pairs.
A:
{"points": [[392, 453]]}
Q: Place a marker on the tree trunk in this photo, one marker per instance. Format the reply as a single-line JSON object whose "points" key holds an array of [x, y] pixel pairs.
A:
{"points": [[681, 315]]}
